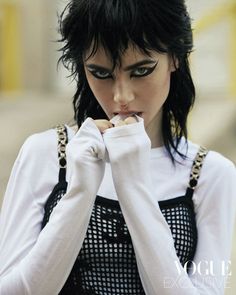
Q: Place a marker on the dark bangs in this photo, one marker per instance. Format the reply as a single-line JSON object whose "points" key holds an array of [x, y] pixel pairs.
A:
{"points": [[163, 26], [111, 24]]}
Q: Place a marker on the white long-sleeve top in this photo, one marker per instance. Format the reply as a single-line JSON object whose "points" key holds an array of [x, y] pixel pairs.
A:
{"points": [[29, 264]]}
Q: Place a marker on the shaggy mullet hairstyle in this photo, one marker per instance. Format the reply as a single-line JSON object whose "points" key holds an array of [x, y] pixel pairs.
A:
{"points": [[160, 25]]}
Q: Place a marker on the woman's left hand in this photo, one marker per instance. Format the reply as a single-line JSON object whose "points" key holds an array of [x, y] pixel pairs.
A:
{"points": [[128, 147], [103, 125]]}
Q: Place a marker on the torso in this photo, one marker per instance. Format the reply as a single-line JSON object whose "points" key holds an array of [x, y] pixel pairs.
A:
{"points": [[108, 249]]}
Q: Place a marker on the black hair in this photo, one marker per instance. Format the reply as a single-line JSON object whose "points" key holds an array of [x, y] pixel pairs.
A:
{"points": [[160, 25]]}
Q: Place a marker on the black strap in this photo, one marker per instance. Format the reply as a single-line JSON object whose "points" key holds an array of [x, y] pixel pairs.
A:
{"points": [[62, 142], [195, 171]]}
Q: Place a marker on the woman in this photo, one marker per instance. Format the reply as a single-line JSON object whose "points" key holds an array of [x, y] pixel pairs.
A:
{"points": [[137, 209]]}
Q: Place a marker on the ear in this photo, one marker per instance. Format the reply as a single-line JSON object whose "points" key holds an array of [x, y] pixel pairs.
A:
{"points": [[174, 63]]}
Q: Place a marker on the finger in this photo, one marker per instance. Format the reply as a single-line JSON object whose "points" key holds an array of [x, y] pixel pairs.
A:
{"points": [[120, 123], [130, 120], [102, 125]]}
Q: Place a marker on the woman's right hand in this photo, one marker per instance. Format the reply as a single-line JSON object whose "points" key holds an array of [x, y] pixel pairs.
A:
{"points": [[86, 157], [86, 154]]}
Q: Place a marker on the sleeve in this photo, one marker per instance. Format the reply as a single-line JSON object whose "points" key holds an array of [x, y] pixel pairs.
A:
{"points": [[159, 267], [215, 205], [34, 262]]}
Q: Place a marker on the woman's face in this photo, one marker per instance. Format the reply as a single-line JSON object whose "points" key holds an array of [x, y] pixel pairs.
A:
{"points": [[139, 85]]}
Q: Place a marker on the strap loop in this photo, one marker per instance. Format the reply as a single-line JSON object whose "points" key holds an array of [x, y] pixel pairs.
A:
{"points": [[61, 148], [196, 167]]}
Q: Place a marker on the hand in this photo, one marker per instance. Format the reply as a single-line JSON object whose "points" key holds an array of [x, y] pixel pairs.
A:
{"points": [[86, 158], [127, 144], [103, 125], [128, 151]]}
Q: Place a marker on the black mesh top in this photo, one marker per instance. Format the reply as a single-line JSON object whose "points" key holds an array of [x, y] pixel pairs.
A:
{"points": [[106, 264]]}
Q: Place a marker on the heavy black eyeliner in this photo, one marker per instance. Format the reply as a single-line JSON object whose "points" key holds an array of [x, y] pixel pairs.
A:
{"points": [[98, 77], [149, 71]]}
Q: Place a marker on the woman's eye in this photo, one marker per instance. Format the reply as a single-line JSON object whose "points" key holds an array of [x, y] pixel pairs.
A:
{"points": [[101, 74], [141, 72]]}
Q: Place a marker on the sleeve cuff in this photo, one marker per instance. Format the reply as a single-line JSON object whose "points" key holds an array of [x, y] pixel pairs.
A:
{"points": [[125, 130]]}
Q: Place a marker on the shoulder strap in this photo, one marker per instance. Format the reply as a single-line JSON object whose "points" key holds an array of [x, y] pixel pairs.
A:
{"points": [[195, 171], [62, 142]]}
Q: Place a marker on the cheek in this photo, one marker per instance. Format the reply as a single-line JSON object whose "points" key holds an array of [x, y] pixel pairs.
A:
{"points": [[102, 93], [99, 89], [157, 89]]}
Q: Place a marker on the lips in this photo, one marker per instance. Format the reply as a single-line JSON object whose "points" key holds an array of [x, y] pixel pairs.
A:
{"points": [[124, 115], [128, 114]]}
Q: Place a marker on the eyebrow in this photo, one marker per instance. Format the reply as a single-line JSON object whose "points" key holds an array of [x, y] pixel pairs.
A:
{"points": [[128, 68]]}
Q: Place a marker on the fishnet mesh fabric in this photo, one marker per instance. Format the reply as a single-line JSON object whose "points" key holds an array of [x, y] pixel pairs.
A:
{"points": [[106, 263], [181, 220]]}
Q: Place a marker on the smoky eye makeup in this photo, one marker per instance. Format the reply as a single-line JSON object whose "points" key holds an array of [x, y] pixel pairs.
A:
{"points": [[99, 72], [143, 71], [137, 72]]}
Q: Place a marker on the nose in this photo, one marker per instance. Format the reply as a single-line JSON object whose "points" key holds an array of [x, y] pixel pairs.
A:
{"points": [[123, 93]]}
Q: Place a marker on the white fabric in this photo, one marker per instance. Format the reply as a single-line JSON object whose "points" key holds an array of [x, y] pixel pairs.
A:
{"points": [[35, 263]]}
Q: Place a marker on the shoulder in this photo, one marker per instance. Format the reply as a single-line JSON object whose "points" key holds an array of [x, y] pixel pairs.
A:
{"points": [[217, 163], [217, 179], [35, 171], [216, 171], [218, 176], [41, 148], [40, 145], [214, 162]]}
